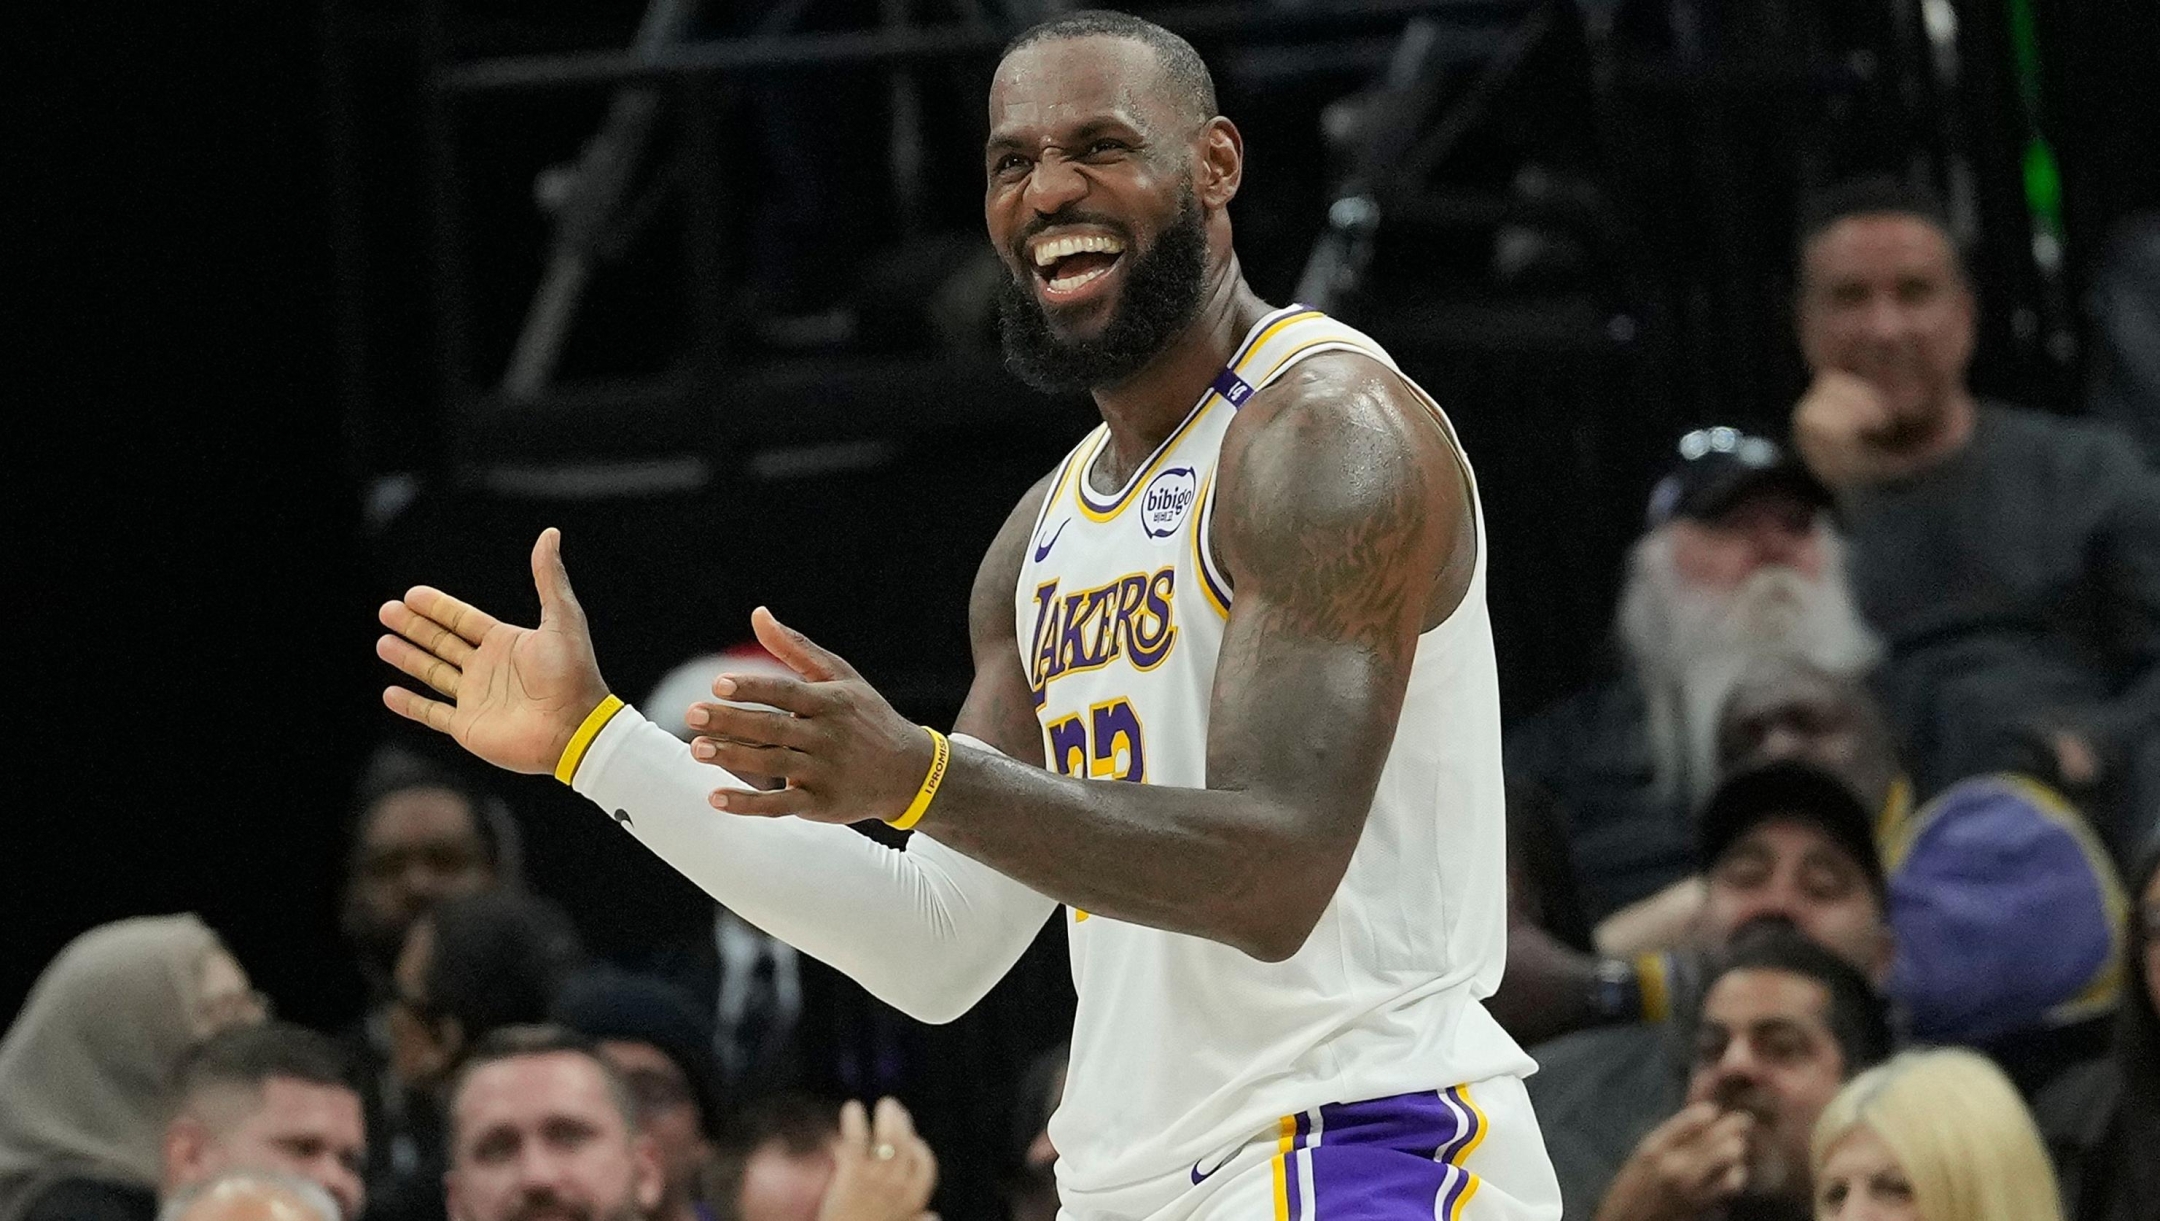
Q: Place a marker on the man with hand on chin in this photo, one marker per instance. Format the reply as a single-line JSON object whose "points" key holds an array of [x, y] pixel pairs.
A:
{"points": [[2010, 559]]}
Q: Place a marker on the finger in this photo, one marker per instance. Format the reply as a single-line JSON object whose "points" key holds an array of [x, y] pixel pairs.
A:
{"points": [[787, 694], [432, 670], [922, 1169], [425, 632], [469, 622], [1688, 1124], [763, 803], [800, 653], [751, 725], [432, 713], [890, 1125], [558, 603], [744, 759], [854, 1126]]}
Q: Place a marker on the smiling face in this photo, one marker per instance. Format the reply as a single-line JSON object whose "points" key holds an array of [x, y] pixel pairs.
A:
{"points": [[1882, 297], [1104, 199]]}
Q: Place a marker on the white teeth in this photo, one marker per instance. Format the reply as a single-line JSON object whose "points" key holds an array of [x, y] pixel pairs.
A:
{"points": [[1066, 284], [1051, 251]]}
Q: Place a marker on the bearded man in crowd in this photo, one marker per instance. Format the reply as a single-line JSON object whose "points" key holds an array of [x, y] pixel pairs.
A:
{"points": [[1739, 566]]}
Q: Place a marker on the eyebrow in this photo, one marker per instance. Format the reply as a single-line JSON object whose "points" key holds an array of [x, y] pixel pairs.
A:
{"points": [[1779, 1025], [1091, 127]]}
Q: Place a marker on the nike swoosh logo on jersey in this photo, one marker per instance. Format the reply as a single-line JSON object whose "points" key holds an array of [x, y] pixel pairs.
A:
{"points": [[1198, 1175], [1042, 550]]}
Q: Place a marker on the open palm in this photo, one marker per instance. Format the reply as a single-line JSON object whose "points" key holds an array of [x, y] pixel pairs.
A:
{"points": [[515, 695]]}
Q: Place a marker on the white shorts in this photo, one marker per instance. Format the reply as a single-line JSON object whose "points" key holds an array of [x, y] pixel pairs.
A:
{"points": [[1465, 1153]]}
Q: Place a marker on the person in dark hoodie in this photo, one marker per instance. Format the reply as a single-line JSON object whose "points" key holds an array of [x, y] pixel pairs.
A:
{"points": [[2102, 1121]]}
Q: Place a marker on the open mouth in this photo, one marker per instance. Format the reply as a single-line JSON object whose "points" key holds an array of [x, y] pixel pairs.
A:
{"points": [[1069, 266]]}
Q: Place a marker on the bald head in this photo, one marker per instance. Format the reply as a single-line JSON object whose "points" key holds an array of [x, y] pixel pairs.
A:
{"points": [[1181, 81], [252, 1197]]}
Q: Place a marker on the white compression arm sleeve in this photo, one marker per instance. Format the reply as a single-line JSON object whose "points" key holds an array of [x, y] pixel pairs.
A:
{"points": [[926, 930]]}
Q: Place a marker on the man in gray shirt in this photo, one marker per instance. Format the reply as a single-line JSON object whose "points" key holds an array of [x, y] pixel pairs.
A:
{"points": [[2010, 559]]}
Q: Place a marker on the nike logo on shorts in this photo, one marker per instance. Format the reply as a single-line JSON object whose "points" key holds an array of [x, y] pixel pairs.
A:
{"points": [[1198, 1175]]}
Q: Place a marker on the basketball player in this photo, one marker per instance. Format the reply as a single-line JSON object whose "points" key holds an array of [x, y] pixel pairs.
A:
{"points": [[1256, 591]]}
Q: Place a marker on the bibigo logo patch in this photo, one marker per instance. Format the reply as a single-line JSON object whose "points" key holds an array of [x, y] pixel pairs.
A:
{"points": [[1166, 502]]}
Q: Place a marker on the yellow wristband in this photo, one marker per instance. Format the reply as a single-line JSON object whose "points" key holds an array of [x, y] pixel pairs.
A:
{"points": [[1656, 988], [582, 740], [941, 754]]}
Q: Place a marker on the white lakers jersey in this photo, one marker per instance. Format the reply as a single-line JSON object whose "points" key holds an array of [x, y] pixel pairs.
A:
{"points": [[1182, 1047]]}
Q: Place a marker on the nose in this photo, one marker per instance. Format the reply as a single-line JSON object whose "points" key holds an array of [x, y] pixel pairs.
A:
{"points": [[1776, 544], [1777, 896], [1884, 319], [1781, 742], [344, 1186], [1736, 1064], [1054, 184], [538, 1169]]}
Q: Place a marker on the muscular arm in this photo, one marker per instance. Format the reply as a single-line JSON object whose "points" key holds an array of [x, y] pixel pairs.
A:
{"points": [[1343, 520]]}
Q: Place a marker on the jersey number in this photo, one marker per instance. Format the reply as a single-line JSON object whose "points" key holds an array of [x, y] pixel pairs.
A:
{"points": [[1103, 743]]}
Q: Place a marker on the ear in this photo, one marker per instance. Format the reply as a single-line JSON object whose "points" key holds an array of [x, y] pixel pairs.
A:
{"points": [[647, 1180], [453, 1201], [1222, 163]]}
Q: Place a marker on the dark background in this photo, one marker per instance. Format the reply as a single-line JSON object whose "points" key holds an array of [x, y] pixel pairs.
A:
{"points": [[222, 366]]}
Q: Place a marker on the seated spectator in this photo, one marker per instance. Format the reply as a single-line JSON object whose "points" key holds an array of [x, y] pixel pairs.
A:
{"points": [[1784, 1023], [1554, 983], [470, 966], [1786, 844], [273, 1097], [2002, 901], [420, 834], [2009, 558], [799, 1160], [1739, 564], [1932, 1136], [661, 1046], [2103, 1120], [84, 1067], [541, 1125], [251, 1195]]}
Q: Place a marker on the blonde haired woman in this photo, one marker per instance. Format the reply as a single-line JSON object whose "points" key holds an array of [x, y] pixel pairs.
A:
{"points": [[1931, 1136]]}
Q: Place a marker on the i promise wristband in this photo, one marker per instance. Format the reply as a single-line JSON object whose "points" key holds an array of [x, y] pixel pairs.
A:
{"points": [[941, 754], [582, 740]]}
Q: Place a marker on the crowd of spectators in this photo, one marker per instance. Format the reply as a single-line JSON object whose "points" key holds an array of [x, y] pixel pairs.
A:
{"points": [[1840, 895]]}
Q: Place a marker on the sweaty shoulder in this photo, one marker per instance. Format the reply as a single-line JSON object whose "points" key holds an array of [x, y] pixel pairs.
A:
{"points": [[1341, 463]]}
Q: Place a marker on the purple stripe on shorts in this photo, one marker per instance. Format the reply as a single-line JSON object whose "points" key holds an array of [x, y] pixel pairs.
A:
{"points": [[1378, 1160], [1411, 1123]]}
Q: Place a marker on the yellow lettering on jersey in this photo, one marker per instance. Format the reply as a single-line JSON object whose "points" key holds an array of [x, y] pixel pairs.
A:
{"points": [[1129, 617]]}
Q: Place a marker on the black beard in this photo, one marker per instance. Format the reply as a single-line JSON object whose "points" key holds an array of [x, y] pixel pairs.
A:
{"points": [[1162, 294]]}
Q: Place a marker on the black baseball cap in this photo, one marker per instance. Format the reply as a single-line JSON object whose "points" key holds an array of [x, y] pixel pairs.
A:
{"points": [[607, 1003], [1716, 467], [1789, 788]]}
